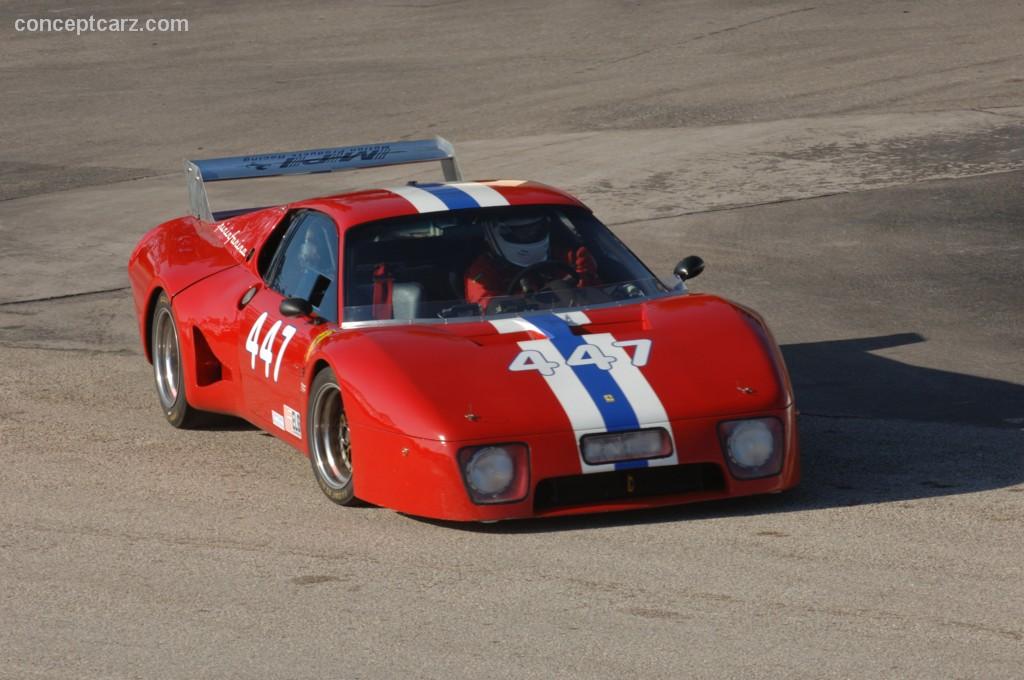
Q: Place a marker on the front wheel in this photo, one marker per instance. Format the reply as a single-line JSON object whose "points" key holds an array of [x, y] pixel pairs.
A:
{"points": [[329, 449], [167, 373]]}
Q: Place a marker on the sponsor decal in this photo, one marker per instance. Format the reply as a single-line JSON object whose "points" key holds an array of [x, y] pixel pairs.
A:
{"points": [[317, 339], [230, 238], [292, 421], [278, 419], [316, 158]]}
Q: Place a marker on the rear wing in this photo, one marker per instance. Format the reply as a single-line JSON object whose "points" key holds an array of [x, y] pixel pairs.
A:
{"points": [[314, 161]]}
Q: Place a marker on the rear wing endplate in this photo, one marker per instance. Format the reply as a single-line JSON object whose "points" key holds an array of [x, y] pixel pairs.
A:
{"points": [[314, 161]]}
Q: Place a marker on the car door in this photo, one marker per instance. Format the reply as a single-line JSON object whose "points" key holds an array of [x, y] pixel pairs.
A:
{"points": [[273, 352]]}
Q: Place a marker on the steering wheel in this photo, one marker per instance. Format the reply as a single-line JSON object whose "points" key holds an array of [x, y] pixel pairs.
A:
{"points": [[569, 273]]}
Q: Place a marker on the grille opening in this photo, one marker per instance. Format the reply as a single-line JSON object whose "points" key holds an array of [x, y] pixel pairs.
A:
{"points": [[558, 492]]}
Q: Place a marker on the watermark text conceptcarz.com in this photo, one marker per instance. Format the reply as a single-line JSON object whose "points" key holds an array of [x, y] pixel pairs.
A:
{"points": [[92, 24]]}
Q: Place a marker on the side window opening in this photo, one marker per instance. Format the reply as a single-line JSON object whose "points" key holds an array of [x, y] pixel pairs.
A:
{"points": [[273, 243], [305, 265]]}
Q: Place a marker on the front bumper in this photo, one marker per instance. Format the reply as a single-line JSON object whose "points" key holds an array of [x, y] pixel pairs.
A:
{"points": [[421, 476]]}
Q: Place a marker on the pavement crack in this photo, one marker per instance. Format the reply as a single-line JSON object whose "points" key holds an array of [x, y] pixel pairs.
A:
{"points": [[84, 185], [429, 5], [51, 298], [737, 27], [78, 350], [1012, 116], [723, 208], [702, 36], [779, 201]]}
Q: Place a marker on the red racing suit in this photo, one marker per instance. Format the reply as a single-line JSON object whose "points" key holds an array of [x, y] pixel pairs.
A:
{"points": [[489, 276]]}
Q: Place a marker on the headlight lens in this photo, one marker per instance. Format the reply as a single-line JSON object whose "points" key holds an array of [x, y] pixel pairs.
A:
{"points": [[753, 447], [490, 470], [609, 448], [498, 473]]}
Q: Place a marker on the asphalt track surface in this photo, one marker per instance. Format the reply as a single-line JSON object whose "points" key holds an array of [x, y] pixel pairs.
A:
{"points": [[854, 171]]}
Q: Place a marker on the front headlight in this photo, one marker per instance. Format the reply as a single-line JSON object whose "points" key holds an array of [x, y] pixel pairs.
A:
{"points": [[753, 447], [499, 473]]}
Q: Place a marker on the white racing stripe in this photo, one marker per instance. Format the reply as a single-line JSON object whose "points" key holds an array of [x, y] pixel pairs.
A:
{"points": [[583, 414], [631, 381], [507, 182], [516, 325], [584, 417], [421, 199], [521, 325], [578, 404], [441, 197], [641, 396]]}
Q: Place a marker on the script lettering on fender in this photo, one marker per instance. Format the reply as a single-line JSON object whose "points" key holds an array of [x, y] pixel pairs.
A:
{"points": [[230, 238]]}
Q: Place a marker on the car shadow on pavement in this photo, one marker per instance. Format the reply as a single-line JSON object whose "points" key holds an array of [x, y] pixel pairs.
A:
{"points": [[873, 430], [218, 422], [844, 378]]}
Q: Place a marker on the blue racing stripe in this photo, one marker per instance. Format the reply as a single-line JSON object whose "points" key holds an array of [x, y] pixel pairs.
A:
{"points": [[452, 197], [611, 402], [630, 464]]}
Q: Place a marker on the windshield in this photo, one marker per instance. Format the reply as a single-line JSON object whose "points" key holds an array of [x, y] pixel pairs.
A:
{"points": [[487, 262]]}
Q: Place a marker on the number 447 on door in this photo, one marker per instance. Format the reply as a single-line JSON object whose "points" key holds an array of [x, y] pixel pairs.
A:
{"points": [[265, 350]]}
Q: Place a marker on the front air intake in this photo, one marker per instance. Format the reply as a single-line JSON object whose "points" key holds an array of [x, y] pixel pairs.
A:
{"points": [[559, 492]]}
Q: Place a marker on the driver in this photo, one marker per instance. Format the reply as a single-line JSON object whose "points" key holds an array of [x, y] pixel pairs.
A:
{"points": [[515, 244]]}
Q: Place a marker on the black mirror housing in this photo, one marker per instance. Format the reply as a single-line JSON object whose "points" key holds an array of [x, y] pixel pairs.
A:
{"points": [[689, 267], [296, 306]]}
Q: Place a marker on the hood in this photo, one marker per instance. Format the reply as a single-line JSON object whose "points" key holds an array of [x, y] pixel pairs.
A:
{"points": [[679, 357]]}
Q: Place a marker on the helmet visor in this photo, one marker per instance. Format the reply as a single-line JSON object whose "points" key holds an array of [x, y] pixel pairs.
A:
{"points": [[524, 231]]}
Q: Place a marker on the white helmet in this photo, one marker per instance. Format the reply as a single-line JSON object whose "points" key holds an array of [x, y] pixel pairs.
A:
{"points": [[521, 240]]}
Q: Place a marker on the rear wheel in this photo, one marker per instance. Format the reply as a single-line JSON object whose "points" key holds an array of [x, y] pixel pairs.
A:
{"points": [[330, 451], [167, 372]]}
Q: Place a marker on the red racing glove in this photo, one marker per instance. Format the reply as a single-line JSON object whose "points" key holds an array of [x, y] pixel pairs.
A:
{"points": [[586, 268]]}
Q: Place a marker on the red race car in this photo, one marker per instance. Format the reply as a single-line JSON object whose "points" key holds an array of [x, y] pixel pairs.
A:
{"points": [[459, 350]]}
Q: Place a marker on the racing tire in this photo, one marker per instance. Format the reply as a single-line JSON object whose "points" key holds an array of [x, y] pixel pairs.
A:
{"points": [[330, 451], [165, 345]]}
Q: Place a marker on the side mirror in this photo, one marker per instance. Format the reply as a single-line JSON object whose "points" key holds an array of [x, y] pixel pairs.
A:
{"points": [[689, 267], [296, 306]]}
